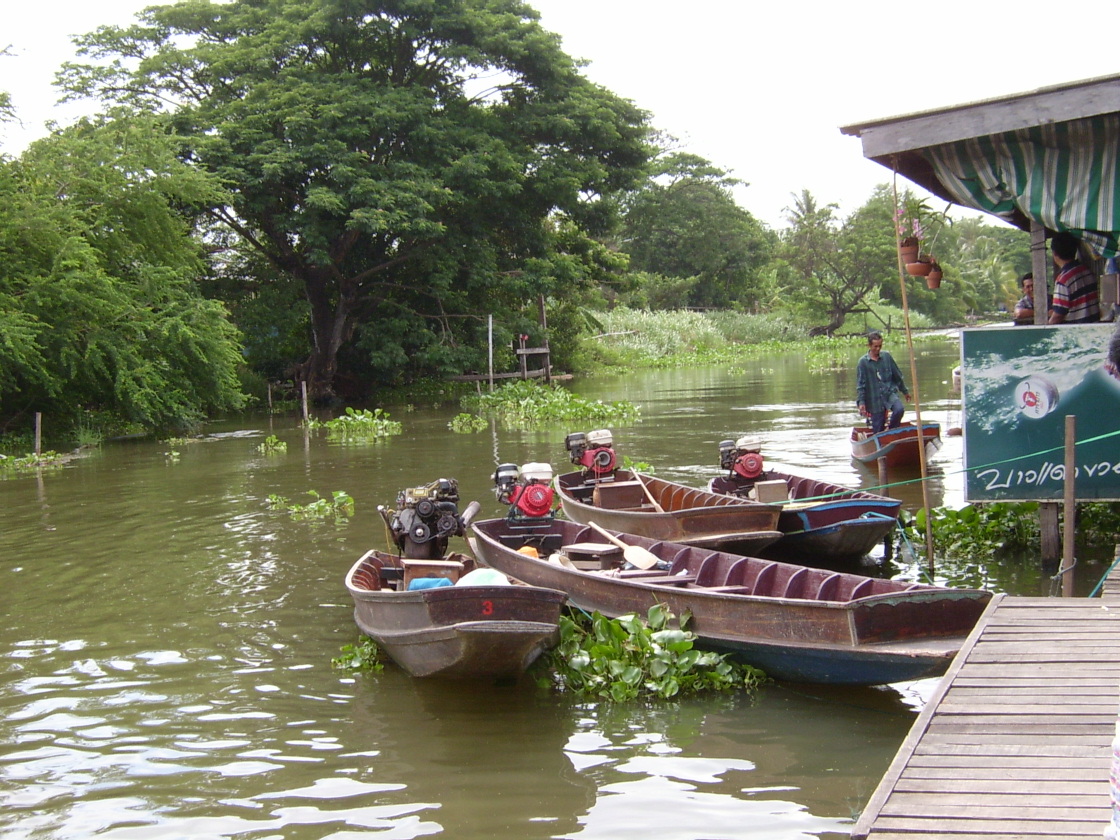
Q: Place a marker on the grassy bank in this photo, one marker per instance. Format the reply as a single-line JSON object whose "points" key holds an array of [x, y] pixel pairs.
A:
{"points": [[630, 338]]}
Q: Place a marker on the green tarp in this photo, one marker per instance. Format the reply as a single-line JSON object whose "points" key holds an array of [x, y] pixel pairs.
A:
{"points": [[1062, 175]]}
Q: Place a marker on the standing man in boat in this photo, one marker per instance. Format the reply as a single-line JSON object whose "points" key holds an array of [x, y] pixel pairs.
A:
{"points": [[878, 385]]}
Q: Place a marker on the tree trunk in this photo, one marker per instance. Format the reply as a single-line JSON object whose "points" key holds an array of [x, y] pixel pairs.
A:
{"points": [[330, 326]]}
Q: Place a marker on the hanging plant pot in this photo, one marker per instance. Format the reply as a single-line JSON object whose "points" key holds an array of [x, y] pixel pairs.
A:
{"points": [[933, 279], [919, 269], [908, 250]]}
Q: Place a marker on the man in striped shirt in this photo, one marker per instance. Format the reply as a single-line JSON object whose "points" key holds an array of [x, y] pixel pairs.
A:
{"points": [[1075, 298]]}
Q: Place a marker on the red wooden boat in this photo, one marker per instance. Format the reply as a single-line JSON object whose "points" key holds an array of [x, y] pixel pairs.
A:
{"points": [[900, 446], [794, 622], [451, 630]]}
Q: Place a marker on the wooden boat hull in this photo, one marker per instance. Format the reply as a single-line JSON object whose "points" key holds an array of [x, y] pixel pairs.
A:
{"points": [[687, 515], [900, 447], [454, 631], [797, 623], [822, 522]]}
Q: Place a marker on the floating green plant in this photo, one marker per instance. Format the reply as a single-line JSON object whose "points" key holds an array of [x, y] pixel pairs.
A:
{"points": [[627, 658]]}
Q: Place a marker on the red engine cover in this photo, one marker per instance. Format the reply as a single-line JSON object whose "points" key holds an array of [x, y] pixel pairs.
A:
{"points": [[749, 465], [533, 499], [598, 461]]}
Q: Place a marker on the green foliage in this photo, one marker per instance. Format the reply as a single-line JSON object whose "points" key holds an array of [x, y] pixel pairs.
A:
{"points": [[980, 528], [12, 441], [837, 266], [1098, 523], [464, 423], [272, 445], [629, 463], [640, 338], [364, 161], [339, 506], [30, 463], [526, 403], [983, 528], [358, 425], [88, 436], [627, 658], [692, 243], [363, 657], [98, 304]]}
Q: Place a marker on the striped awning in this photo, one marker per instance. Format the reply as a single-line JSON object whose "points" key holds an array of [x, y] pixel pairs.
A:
{"points": [[1063, 175]]}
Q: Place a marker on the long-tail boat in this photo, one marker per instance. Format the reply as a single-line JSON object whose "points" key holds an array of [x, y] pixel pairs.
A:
{"points": [[794, 622]]}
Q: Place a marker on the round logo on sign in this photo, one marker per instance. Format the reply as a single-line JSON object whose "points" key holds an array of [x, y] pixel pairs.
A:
{"points": [[1036, 396]]}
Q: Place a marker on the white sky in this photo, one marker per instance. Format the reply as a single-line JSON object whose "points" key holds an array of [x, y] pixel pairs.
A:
{"points": [[759, 88]]}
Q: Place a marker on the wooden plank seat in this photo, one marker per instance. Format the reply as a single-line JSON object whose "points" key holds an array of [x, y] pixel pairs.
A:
{"points": [[620, 495]]}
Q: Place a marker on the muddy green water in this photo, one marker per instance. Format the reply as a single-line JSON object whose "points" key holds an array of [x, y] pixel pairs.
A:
{"points": [[165, 655]]}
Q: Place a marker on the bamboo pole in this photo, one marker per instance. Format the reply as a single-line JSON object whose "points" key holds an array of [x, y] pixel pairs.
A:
{"points": [[1069, 504], [914, 390], [1049, 532]]}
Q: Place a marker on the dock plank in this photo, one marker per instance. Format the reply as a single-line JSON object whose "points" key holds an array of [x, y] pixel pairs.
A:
{"points": [[1016, 739]]}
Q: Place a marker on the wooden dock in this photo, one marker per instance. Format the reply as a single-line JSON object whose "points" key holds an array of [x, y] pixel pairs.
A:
{"points": [[1016, 742]]}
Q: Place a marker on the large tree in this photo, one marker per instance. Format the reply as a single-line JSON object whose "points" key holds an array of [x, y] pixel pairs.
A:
{"points": [[837, 265], [99, 303], [684, 224], [398, 158]]}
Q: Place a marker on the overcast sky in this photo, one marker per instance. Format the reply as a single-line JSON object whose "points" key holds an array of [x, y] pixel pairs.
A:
{"points": [[757, 88]]}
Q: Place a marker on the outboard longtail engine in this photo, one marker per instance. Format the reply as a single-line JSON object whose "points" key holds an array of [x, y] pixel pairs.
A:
{"points": [[742, 457], [527, 491], [426, 517], [592, 452]]}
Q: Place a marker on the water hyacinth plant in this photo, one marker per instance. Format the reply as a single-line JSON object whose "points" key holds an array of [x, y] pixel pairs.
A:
{"points": [[524, 403], [628, 658], [364, 656], [340, 505], [464, 424], [272, 445], [30, 463], [358, 425]]}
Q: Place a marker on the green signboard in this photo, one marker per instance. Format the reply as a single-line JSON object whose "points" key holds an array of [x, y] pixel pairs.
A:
{"points": [[1018, 385]]}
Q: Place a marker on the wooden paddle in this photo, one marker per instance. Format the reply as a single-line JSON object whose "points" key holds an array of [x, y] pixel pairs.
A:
{"points": [[635, 555], [649, 495]]}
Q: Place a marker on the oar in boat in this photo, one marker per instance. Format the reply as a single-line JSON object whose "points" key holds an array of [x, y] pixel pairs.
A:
{"points": [[635, 555]]}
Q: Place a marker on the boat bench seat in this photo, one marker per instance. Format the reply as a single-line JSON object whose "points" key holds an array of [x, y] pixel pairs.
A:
{"points": [[619, 495], [730, 590]]}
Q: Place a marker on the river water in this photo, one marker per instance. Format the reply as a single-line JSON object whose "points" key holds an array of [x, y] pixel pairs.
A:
{"points": [[166, 659]]}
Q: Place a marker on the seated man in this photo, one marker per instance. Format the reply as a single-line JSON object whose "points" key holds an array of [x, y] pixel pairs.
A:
{"points": [[1024, 309]]}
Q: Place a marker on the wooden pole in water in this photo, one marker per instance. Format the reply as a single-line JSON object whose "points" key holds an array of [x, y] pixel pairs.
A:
{"points": [[1069, 504], [38, 433], [914, 390], [303, 392], [490, 343]]}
